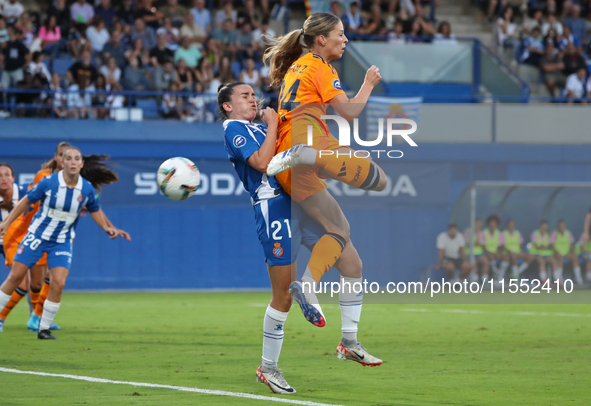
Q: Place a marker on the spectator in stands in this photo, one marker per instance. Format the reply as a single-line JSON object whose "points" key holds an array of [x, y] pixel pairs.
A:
{"points": [[250, 14], [111, 71], [171, 34], [50, 36], [226, 37], [396, 36], [568, 37], [16, 59], [81, 12], [201, 15], [226, 13], [563, 244], [491, 239], [136, 78], [82, 68], [60, 11], [185, 76], [507, 34], [530, 23], [335, 8], [4, 36], [190, 54], [533, 48], [58, 99], [105, 11], [352, 20], [164, 76], [149, 14], [245, 43], [146, 33], [76, 39], [416, 32], [175, 12], [444, 34], [127, 12], [100, 96], [25, 25], [551, 37], [551, 66], [198, 107], [450, 253], [160, 53], [211, 51], [97, 34], [573, 60], [139, 53], [551, 22], [26, 99], [79, 99], [259, 41], [204, 73], [12, 10], [114, 48], [172, 105], [225, 73], [38, 68], [250, 75], [576, 86], [193, 31], [375, 25], [576, 23]]}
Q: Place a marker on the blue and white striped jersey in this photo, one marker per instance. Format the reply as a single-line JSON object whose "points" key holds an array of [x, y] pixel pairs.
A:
{"points": [[60, 207], [18, 192]]}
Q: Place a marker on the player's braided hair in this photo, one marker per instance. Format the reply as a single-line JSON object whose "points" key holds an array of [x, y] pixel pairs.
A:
{"points": [[52, 164], [7, 204], [285, 50], [95, 170]]}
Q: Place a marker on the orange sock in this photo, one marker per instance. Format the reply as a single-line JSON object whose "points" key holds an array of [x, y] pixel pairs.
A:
{"points": [[34, 297], [325, 253], [16, 297], [356, 172], [42, 296]]}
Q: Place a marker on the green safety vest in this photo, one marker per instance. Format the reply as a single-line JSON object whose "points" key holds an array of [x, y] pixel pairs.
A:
{"points": [[478, 250], [542, 240], [512, 241], [586, 248], [562, 243], [491, 244]]}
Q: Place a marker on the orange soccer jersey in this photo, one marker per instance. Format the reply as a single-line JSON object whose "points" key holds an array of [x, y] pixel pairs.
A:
{"points": [[309, 85], [18, 229]]}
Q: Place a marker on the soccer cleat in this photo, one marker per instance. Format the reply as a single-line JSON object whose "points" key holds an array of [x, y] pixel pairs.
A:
{"points": [[275, 380], [357, 353], [1, 325], [34, 321], [45, 335], [308, 303], [285, 160]]}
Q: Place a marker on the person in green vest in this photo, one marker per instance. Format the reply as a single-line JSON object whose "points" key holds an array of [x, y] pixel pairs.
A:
{"points": [[512, 242], [584, 251], [541, 250], [563, 244], [490, 239], [481, 259]]}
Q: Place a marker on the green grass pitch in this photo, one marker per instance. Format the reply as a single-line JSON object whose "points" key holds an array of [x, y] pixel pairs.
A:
{"points": [[433, 354]]}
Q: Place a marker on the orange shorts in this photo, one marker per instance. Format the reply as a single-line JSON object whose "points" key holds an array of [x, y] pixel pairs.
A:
{"points": [[10, 247], [303, 181]]}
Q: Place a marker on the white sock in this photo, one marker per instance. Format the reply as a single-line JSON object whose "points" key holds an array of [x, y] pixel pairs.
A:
{"points": [[522, 267], [4, 299], [578, 275], [308, 156], [272, 336], [543, 275], [49, 311], [557, 274], [351, 303], [310, 286]]}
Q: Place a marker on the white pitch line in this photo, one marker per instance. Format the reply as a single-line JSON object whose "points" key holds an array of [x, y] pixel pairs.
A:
{"points": [[422, 310], [179, 388]]}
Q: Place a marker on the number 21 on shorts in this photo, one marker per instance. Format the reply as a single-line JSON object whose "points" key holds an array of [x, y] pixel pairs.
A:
{"points": [[276, 227]]}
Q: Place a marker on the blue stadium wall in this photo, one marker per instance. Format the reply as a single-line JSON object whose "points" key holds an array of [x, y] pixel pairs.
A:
{"points": [[209, 241]]}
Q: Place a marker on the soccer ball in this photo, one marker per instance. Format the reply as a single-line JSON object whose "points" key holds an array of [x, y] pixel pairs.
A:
{"points": [[178, 178]]}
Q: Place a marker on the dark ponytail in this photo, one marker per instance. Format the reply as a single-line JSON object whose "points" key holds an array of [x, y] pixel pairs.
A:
{"points": [[95, 170], [225, 93]]}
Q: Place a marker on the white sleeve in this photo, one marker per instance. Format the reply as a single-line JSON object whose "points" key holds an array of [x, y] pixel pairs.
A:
{"points": [[441, 241], [461, 240]]}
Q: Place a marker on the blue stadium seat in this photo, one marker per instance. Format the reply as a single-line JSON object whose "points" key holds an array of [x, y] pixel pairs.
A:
{"points": [[236, 69], [61, 65], [150, 107]]}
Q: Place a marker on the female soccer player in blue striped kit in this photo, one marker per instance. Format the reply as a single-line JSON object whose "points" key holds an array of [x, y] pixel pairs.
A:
{"points": [[63, 195]]}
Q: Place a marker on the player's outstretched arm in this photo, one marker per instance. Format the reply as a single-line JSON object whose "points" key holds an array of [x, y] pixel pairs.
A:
{"points": [[20, 208], [120, 232], [261, 158], [99, 219], [351, 108]]}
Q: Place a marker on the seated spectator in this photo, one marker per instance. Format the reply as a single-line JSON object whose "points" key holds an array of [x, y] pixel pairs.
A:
{"points": [[451, 255], [97, 34], [114, 48], [250, 75], [161, 53], [530, 23], [396, 36], [24, 100], [4, 36], [214, 85], [568, 37], [193, 31], [563, 244], [204, 72], [573, 60], [444, 34], [533, 48], [146, 33], [148, 14], [11, 11], [551, 37], [59, 10], [81, 12], [139, 53], [226, 13], [507, 34], [245, 43], [551, 22], [267, 89], [111, 71], [551, 67], [172, 104], [50, 36], [258, 35], [226, 38], [225, 72], [105, 11], [375, 25], [171, 34], [576, 23], [76, 39], [211, 51], [164, 76], [16, 59], [82, 68], [201, 16], [175, 12], [189, 53], [250, 14], [100, 96], [38, 68], [25, 24], [576, 86], [79, 99], [198, 104], [136, 78], [416, 32], [127, 13], [352, 20], [58, 99], [336, 9], [185, 76]]}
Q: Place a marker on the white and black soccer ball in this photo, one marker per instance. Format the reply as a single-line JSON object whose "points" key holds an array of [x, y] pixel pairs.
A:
{"points": [[178, 178]]}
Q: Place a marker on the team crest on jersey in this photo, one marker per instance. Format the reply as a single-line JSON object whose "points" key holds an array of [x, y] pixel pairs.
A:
{"points": [[19, 250], [239, 141], [79, 199], [277, 251], [337, 84]]}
